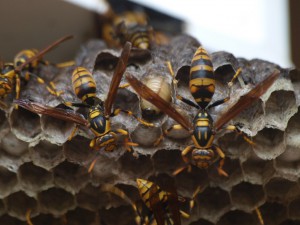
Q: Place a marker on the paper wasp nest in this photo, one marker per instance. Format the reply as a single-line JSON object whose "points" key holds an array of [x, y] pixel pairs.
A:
{"points": [[44, 172]]}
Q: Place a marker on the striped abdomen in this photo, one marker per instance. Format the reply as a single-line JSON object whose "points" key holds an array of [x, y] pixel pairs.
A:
{"points": [[138, 36], [84, 85], [23, 56], [202, 80]]}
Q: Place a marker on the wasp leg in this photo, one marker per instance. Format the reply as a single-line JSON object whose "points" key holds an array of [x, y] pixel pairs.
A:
{"points": [[129, 113], [28, 220], [51, 89], [184, 153], [260, 218], [237, 73], [128, 144], [187, 101], [73, 133], [65, 64], [221, 172], [239, 132], [124, 85], [218, 102], [18, 88]]}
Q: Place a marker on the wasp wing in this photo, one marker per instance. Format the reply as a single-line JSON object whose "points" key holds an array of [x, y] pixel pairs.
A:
{"points": [[156, 204], [246, 100], [156, 100], [116, 79], [63, 114], [43, 52]]}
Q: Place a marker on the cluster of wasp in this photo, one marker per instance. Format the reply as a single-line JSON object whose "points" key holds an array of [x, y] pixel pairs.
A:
{"points": [[156, 98]]}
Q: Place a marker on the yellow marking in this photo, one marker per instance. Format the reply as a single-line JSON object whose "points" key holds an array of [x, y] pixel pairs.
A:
{"points": [[201, 67], [200, 50], [202, 123], [202, 82], [124, 85], [205, 135], [197, 57], [121, 131]]}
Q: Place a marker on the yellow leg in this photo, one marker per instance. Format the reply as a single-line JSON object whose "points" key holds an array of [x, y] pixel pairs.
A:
{"points": [[219, 151], [186, 151], [18, 88], [221, 172], [239, 132], [65, 64], [260, 218], [237, 73], [117, 111], [28, 220], [73, 133], [124, 85]]}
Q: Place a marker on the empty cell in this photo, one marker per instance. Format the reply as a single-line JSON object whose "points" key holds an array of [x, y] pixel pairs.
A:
{"points": [[167, 161], [46, 155], [80, 216], [14, 146], [238, 217], [273, 212], [8, 182], [25, 125], [213, 203], [281, 190], [269, 143], [247, 196], [71, 177], [294, 209], [18, 203], [34, 178], [56, 201]]}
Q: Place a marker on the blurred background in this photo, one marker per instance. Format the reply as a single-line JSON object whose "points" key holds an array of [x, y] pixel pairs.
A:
{"points": [[266, 29]]}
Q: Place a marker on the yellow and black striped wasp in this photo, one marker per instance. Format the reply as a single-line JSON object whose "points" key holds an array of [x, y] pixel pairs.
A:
{"points": [[163, 205], [99, 111], [27, 60], [202, 86]]}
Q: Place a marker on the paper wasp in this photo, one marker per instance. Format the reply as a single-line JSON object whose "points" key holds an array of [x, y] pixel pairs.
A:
{"points": [[99, 112], [202, 85], [163, 206], [11, 73]]}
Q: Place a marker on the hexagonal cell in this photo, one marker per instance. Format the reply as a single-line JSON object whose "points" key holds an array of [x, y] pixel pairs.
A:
{"points": [[46, 219], [125, 215], [213, 203], [88, 198], [2, 208], [292, 131], [234, 146], [280, 107], [33, 178], [14, 146], [281, 189], [46, 155], [80, 216], [294, 209], [290, 222], [257, 170], [167, 161], [8, 182], [78, 150], [135, 167], [56, 201], [18, 203], [70, 176], [247, 196], [187, 182], [269, 143], [201, 222], [238, 217], [273, 213], [288, 163], [141, 131], [6, 219], [235, 174], [56, 131], [25, 125]]}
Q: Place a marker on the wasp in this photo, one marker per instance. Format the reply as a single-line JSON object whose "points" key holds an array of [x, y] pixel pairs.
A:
{"points": [[10, 74], [99, 111], [163, 205], [203, 152]]}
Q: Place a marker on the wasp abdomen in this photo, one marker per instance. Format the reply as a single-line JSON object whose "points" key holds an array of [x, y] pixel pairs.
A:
{"points": [[202, 80], [84, 85], [23, 56]]}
